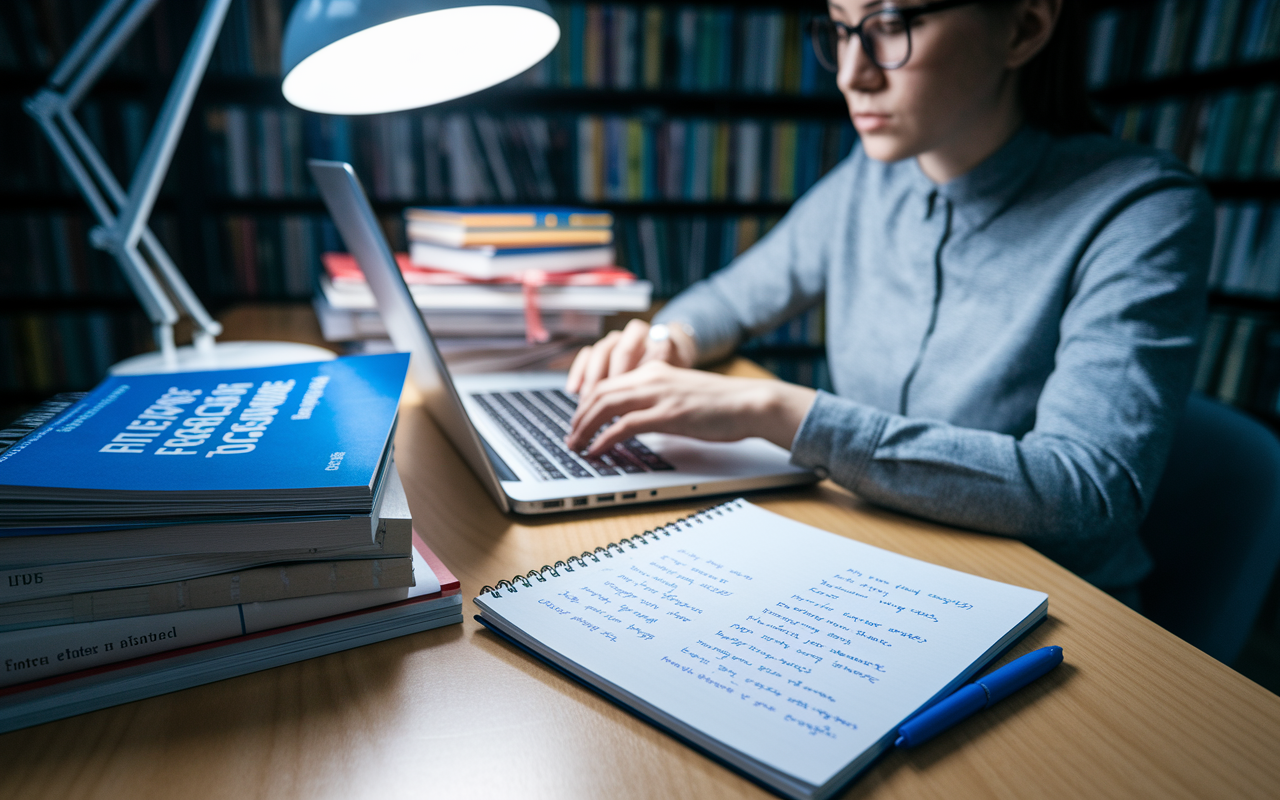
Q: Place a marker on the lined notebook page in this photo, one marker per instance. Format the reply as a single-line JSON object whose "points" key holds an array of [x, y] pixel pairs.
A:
{"points": [[795, 647]]}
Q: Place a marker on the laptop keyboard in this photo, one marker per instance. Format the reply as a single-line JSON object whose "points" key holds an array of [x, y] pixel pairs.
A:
{"points": [[537, 422]]}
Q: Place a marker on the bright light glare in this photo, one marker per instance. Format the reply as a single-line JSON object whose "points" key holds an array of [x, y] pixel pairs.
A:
{"points": [[420, 60]]}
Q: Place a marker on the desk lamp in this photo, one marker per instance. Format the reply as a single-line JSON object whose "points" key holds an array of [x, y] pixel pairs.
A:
{"points": [[339, 57]]}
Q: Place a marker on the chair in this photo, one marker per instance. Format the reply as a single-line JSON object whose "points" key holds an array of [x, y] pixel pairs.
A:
{"points": [[1214, 529]]}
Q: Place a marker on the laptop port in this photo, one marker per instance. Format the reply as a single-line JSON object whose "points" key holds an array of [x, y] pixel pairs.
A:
{"points": [[553, 504], [605, 498], [628, 495], [581, 501]]}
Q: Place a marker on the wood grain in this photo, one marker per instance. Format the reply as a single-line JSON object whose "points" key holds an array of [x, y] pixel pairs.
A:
{"points": [[1134, 711]]}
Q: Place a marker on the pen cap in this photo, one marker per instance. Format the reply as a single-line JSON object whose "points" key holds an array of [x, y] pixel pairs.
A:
{"points": [[1020, 672]]}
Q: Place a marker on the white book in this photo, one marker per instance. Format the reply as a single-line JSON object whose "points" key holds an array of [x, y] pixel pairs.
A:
{"points": [[351, 325], [38, 653], [37, 567], [251, 585], [632, 296], [489, 262], [788, 653]]}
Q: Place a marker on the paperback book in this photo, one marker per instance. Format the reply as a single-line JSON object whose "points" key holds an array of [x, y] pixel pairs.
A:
{"points": [[302, 438]]}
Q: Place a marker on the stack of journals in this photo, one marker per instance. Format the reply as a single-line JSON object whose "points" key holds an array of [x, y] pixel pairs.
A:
{"points": [[171, 530], [482, 272]]}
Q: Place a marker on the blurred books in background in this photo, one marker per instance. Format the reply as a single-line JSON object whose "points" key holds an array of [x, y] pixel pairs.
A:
{"points": [[500, 287]]}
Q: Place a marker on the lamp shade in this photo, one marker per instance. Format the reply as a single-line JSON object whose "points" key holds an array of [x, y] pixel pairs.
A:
{"points": [[376, 56]]}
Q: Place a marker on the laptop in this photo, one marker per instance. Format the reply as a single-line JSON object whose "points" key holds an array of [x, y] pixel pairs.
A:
{"points": [[510, 427]]}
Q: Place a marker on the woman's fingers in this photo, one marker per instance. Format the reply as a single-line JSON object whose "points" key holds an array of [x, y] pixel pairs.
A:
{"points": [[629, 349], [601, 411], [644, 420], [598, 362], [576, 372]]}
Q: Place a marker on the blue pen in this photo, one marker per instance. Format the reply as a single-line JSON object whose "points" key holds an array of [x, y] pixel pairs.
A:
{"points": [[982, 693]]}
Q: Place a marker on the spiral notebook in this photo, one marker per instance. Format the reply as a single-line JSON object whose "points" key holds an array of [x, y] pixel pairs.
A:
{"points": [[785, 652]]}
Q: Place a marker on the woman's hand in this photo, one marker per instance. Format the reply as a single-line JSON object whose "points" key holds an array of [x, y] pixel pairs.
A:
{"points": [[660, 398], [622, 351]]}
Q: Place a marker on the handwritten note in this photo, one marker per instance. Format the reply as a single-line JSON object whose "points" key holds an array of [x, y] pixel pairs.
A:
{"points": [[794, 647]]}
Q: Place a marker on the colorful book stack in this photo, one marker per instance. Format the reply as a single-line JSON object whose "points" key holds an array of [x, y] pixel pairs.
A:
{"points": [[505, 275], [166, 531]]}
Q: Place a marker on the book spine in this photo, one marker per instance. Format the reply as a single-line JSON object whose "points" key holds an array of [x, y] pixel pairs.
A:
{"points": [[38, 653], [232, 588]]}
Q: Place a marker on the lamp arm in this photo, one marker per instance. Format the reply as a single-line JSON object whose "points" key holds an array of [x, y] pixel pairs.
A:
{"points": [[122, 229], [169, 124]]}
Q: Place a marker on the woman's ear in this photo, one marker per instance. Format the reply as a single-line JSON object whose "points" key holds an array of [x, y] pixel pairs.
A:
{"points": [[1034, 21]]}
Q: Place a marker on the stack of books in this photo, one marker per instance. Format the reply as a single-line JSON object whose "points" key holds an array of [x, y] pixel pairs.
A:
{"points": [[171, 530], [493, 278]]}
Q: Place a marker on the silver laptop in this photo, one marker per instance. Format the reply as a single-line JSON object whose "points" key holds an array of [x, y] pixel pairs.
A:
{"points": [[510, 427]]}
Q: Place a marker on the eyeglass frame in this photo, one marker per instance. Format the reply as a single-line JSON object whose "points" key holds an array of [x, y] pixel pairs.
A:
{"points": [[908, 15]]}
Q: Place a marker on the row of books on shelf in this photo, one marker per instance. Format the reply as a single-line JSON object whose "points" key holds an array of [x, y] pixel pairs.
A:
{"points": [[481, 158], [180, 530], [118, 129], [277, 256], [1246, 250], [1239, 361], [46, 255], [685, 48], [269, 256], [44, 353], [1233, 134], [652, 47], [34, 35], [1131, 42], [673, 251]]}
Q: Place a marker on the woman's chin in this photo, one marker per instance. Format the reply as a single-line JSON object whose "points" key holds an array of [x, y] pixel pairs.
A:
{"points": [[883, 147]]}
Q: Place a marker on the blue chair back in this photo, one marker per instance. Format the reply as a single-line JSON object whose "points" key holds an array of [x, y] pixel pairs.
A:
{"points": [[1214, 529]]}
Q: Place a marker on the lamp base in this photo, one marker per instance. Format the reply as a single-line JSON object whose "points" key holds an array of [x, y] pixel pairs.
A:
{"points": [[223, 355]]}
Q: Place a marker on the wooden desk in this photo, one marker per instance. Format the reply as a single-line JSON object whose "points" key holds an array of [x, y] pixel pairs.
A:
{"points": [[456, 713]]}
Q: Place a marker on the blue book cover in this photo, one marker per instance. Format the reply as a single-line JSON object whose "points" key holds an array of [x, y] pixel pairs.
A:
{"points": [[307, 437]]}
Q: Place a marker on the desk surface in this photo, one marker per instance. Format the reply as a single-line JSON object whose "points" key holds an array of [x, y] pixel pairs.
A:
{"points": [[1134, 712]]}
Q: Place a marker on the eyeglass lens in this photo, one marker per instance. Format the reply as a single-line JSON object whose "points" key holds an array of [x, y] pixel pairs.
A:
{"points": [[886, 39]]}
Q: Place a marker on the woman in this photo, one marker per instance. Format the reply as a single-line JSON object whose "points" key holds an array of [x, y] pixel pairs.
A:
{"points": [[1013, 303]]}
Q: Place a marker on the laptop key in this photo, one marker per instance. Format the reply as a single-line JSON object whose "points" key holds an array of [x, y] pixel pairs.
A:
{"points": [[559, 429], [540, 462], [557, 450], [549, 398], [646, 456]]}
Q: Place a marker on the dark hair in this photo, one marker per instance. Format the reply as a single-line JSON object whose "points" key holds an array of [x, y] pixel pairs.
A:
{"points": [[1051, 86]]}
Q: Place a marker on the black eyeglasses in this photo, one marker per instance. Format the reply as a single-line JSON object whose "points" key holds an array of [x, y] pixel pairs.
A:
{"points": [[885, 34]]}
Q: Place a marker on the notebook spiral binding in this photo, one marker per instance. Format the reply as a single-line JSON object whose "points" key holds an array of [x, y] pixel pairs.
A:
{"points": [[629, 542]]}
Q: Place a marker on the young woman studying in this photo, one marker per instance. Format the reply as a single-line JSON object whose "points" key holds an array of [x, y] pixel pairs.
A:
{"points": [[1013, 299]]}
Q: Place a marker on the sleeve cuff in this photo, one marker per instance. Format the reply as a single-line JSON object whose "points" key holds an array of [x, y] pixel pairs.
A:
{"points": [[837, 438]]}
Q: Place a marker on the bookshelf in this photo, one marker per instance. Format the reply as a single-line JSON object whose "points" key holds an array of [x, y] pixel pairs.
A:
{"points": [[697, 125], [1200, 78]]}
